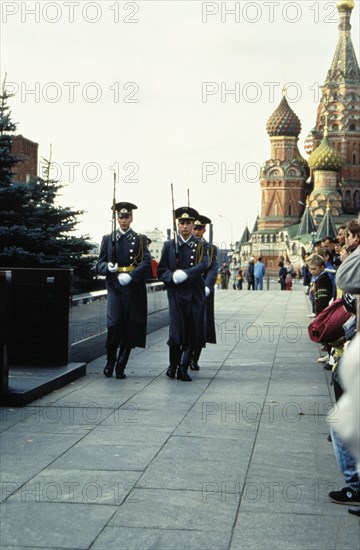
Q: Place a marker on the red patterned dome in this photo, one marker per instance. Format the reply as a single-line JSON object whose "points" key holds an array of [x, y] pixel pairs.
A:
{"points": [[283, 121], [309, 143]]}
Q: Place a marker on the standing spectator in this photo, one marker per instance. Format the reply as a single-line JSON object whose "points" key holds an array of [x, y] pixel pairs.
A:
{"points": [[225, 275], [337, 252], [306, 275], [341, 235], [289, 275], [234, 268], [288, 281], [328, 244], [322, 287], [240, 279], [249, 274], [353, 235], [282, 275], [259, 272], [329, 268]]}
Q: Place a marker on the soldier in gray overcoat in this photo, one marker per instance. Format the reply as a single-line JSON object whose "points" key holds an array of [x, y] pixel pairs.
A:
{"points": [[125, 283], [181, 268], [210, 276]]}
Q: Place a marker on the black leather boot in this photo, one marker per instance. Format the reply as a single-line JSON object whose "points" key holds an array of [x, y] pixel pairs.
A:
{"points": [[182, 374], [174, 353], [121, 363], [111, 360], [109, 369], [194, 359]]}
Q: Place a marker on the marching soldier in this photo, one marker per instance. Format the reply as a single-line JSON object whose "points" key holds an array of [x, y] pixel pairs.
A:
{"points": [[125, 261], [183, 261], [210, 277]]}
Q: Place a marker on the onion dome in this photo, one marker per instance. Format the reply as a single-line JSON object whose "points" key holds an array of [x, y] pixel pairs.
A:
{"points": [[347, 4], [325, 157], [283, 121]]}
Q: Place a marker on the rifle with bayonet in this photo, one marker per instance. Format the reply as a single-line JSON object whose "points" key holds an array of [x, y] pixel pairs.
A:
{"points": [[113, 225], [176, 241]]}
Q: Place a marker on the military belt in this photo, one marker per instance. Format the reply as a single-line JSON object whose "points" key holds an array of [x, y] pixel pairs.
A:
{"points": [[126, 268]]}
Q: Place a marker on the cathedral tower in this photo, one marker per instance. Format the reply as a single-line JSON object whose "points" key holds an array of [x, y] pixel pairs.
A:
{"points": [[340, 107], [283, 177]]}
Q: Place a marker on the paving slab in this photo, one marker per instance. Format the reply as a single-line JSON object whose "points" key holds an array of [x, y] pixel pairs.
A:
{"points": [[77, 486], [113, 538], [294, 532], [54, 525], [236, 459]]}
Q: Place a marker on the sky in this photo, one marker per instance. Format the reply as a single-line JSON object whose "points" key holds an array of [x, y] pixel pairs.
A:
{"points": [[163, 92]]}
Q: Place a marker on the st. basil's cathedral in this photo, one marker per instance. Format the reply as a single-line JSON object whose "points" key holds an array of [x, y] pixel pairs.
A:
{"points": [[304, 200]]}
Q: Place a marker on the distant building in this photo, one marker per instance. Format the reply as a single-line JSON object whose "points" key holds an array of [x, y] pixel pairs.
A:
{"points": [[302, 199], [26, 152], [157, 238]]}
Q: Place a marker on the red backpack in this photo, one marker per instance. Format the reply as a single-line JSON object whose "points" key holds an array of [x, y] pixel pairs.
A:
{"points": [[327, 326]]}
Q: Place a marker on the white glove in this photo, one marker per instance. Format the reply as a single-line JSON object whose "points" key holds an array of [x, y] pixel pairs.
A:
{"points": [[207, 291], [124, 279], [112, 267], [179, 276]]}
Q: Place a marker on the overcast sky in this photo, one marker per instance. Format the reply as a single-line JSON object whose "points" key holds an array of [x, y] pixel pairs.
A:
{"points": [[145, 88]]}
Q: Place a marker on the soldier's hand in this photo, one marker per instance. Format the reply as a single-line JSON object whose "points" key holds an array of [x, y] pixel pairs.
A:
{"points": [[179, 276], [207, 291], [124, 279], [112, 267]]}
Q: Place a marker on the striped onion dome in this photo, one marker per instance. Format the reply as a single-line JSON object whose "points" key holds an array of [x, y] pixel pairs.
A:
{"points": [[283, 121]]}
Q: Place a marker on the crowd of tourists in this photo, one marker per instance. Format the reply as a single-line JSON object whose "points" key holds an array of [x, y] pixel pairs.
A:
{"points": [[331, 276], [234, 276]]}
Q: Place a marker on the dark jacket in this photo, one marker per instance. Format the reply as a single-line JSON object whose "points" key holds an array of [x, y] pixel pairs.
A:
{"points": [[249, 274], [323, 292]]}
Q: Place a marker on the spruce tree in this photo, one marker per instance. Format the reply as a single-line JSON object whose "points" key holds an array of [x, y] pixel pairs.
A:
{"points": [[34, 230]]}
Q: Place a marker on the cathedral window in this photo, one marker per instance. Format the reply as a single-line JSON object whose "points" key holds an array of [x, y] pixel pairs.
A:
{"points": [[357, 199], [347, 196]]}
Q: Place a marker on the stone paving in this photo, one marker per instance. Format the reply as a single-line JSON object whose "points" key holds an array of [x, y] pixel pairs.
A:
{"points": [[237, 459]]}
